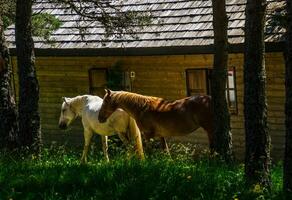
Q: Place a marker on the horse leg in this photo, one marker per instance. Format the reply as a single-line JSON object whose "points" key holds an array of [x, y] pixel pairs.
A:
{"points": [[146, 141], [105, 147], [211, 139], [123, 138], [136, 136], [164, 145], [87, 138]]}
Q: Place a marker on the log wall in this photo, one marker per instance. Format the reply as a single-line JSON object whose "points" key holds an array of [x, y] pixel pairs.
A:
{"points": [[162, 76]]}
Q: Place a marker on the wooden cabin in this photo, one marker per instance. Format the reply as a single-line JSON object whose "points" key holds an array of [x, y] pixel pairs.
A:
{"points": [[172, 58]]}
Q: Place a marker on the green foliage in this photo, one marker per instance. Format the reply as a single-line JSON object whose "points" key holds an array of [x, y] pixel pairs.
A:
{"points": [[57, 174], [124, 23], [115, 78], [7, 11], [44, 24], [118, 24]]}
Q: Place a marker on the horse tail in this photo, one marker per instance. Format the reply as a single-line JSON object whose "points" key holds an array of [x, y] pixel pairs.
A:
{"points": [[136, 136]]}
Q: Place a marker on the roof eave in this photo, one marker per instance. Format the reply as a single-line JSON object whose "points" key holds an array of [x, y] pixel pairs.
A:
{"points": [[146, 51]]}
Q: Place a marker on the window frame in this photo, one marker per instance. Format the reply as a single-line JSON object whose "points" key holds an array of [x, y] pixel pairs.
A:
{"points": [[232, 110], [208, 72], [91, 88]]}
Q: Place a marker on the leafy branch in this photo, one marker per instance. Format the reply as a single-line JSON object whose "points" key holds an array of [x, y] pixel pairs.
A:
{"points": [[116, 21], [44, 24]]}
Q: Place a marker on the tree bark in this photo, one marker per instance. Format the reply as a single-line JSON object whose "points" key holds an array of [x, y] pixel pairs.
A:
{"points": [[222, 136], [29, 119], [257, 155], [8, 112], [288, 106]]}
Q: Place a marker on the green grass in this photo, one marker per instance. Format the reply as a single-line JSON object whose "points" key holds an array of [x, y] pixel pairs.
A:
{"points": [[57, 174]]}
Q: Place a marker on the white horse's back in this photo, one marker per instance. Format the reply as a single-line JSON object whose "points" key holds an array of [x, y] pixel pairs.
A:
{"points": [[93, 103], [117, 123]]}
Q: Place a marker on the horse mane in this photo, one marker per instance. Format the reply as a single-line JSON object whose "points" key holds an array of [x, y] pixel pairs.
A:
{"points": [[141, 101], [77, 99], [76, 102]]}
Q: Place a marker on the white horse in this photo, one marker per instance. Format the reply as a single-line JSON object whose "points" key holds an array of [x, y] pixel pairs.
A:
{"points": [[87, 107]]}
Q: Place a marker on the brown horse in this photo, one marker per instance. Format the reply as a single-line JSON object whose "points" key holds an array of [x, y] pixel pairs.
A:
{"points": [[157, 117]]}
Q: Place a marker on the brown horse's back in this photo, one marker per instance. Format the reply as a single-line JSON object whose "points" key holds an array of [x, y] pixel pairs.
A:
{"points": [[202, 110], [177, 118]]}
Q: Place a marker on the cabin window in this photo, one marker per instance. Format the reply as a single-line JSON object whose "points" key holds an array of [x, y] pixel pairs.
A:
{"points": [[231, 90], [97, 81], [118, 80], [101, 78], [199, 82]]}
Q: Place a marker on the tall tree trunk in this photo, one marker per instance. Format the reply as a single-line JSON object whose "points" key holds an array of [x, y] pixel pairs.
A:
{"points": [[257, 155], [288, 106], [8, 113], [222, 136], [29, 119]]}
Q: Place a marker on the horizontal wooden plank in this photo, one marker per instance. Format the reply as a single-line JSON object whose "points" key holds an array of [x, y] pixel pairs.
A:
{"points": [[60, 67], [45, 94], [237, 125], [276, 120], [45, 78], [62, 73]]}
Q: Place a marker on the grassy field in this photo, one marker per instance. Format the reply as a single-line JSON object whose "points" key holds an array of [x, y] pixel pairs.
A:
{"points": [[56, 174]]}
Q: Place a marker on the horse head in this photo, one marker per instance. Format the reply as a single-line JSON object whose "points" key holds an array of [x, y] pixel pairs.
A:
{"points": [[107, 108], [67, 114]]}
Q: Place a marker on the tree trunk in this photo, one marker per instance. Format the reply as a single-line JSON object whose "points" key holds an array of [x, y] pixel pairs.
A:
{"points": [[288, 106], [222, 136], [257, 155], [29, 120], [8, 113]]}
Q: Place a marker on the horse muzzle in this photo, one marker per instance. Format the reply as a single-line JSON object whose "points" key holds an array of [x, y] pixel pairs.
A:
{"points": [[63, 126]]}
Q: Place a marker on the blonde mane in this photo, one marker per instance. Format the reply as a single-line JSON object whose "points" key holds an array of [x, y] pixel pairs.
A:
{"points": [[141, 101], [76, 103]]}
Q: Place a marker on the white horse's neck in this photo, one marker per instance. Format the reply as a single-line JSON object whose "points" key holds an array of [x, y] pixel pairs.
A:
{"points": [[77, 104]]}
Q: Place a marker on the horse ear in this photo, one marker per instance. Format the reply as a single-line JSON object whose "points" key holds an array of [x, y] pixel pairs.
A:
{"points": [[107, 92], [65, 99]]}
